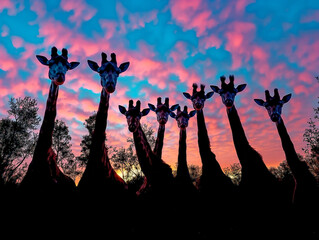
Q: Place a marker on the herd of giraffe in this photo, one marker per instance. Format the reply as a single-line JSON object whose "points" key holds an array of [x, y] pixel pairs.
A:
{"points": [[168, 205]]}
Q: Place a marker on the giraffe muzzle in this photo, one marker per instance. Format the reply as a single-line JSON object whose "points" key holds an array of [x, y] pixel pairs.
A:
{"points": [[132, 128], [59, 80], [110, 88], [275, 117], [228, 103]]}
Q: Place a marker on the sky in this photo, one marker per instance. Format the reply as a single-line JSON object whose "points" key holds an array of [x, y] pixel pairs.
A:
{"points": [[170, 45]]}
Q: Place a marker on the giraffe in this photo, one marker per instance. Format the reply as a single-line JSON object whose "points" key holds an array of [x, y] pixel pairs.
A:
{"points": [[157, 172], [210, 167], [43, 174], [260, 191], [187, 193], [254, 170], [183, 178], [306, 193], [216, 190], [99, 175], [162, 111], [156, 201]]}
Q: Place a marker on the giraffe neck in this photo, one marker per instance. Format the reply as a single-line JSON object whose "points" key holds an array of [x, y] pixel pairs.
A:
{"points": [[46, 130], [249, 158], [208, 158], [143, 150], [182, 169], [291, 155], [102, 113], [159, 141], [97, 151], [237, 129]]}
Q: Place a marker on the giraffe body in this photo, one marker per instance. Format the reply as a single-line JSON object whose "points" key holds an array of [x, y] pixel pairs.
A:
{"points": [[99, 176], [43, 175]]}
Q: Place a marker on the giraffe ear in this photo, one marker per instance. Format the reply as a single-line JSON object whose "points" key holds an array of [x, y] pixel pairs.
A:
{"points": [[260, 102], [152, 107], [93, 65], [187, 95], [286, 98], [122, 109], [124, 66], [209, 95], [43, 60], [241, 87], [192, 113], [73, 65], [174, 107], [215, 88], [172, 114], [145, 112]]}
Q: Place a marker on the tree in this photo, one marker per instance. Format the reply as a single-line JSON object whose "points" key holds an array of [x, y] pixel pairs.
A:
{"points": [[126, 161], [62, 146], [87, 140], [17, 138], [311, 137], [234, 172]]}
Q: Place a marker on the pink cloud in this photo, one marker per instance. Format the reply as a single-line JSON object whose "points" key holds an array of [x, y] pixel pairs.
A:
{"points": [[193, 15], [303, 51], [12, 7], [39, 8], [310, 16], [81, 10], [240, 36], [209, 42]]}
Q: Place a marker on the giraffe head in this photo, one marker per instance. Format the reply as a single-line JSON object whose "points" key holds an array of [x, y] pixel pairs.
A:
{"points": [[133, 115], [162, 110], [198, 98], [109, 71], [58, 65], [273, 104], [228, 91], [182, 117]]}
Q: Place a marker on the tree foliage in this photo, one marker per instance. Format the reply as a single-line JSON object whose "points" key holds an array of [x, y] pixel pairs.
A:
{"points": [[311, 138], [86, 141], [17, 137], [62, 146], [126, 161]]}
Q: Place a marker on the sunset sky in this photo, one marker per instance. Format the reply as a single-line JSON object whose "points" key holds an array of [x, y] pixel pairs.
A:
{"points": [[170, 45]]}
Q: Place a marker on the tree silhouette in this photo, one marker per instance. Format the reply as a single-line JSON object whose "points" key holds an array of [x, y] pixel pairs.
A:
{"points": [[125, 160], [86, 140], [62, 146], [311, 137], [17, 137]]}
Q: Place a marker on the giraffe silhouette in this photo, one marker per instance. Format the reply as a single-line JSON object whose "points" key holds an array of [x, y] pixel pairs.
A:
{"points": [[99, 176], [306, 193], [186, 192], [162, 111], [155, 203], [217, 191], [43, 175], [260, 191], [104, 196]]}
